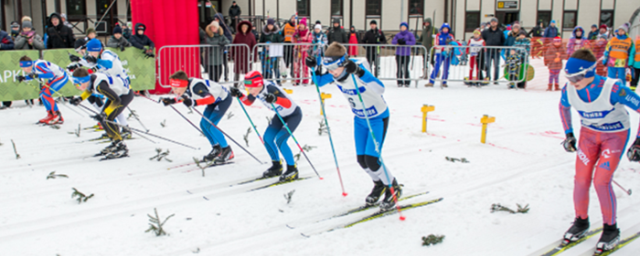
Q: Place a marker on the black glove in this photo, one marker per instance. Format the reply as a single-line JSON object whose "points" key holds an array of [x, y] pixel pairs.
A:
{"points": [[168, 101], [75, 101], [20, 78], [311, 62], [318, 71], [100, 117], [33, 75], [91, 59], [122, 47], [270, 98], [569, 143], [401, 41], [351, 67], [235, 92], [74, 58], [189, 102], [73, 66], [634, 151]]}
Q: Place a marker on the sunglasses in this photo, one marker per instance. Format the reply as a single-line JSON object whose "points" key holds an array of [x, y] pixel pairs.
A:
{"points": [[578, 76]]}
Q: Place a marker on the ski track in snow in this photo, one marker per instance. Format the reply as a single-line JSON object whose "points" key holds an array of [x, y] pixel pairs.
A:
{"points": [[523, 162]]}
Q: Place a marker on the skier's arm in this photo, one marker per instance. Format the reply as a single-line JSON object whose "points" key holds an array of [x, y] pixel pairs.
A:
{"points": [[371, 82], [565, 112], [201, 90], [624, 95], [280, 100], [323, 79], [43, 72]]}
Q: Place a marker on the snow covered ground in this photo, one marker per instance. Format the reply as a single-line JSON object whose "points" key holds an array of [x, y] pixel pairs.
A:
{"points": [[522, 163]]}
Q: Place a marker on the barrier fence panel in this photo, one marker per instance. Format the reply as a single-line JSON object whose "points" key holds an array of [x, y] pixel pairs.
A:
{"points": [[215, 63], [285, 61]]}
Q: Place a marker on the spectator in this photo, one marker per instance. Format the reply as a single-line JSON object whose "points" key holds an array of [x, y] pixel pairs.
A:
{"points": [[374, 36], [319, 42], [537, 31], [493, 37], [117, 40], [271, 55], [91, 34], [126, 30], [553, 57], [214, 36], [255, 33], [65, 22], [577, 41], [442, 55], [5, 44], [512, 35], [227, 33], [287, 32], [337, 34], [60, 36], [140, 40], [525, 43], [234, 13], [28, 39], [353, 42], [303, 35], [635, 68], [593, 35], [604, 32], [403, 54], [537, 44], [240, 55], [476, 53], [513, 62], [551, 31], [15, 29], [619, 54], [426, 38]]}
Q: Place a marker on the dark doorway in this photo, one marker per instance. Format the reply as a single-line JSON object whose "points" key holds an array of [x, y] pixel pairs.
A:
{"points": [[507, 18], [108, 9], [208, 9]]}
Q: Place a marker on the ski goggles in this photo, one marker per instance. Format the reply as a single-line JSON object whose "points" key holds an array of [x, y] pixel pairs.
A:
{"points": [[332, 63], [582, 74], [80, 80], [26, 64]]}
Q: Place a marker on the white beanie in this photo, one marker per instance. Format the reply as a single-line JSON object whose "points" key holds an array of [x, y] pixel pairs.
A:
{"points": [[318, 26]]}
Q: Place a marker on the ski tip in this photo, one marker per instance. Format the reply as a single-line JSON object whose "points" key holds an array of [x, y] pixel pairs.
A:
{"points": [[402, 218], [344, 194]]}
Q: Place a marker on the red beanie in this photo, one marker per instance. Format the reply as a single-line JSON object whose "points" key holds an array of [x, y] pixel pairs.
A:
{"points": [[253, 79], [603, 26]]}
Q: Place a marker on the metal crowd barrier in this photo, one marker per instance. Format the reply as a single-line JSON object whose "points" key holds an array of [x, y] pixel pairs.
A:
{"points": [[459, 64]]}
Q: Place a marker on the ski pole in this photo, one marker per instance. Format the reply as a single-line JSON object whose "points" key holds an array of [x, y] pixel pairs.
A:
{"points": [[136, 117], [326, 122], [226, 135], [377, 146], [250, 121], [628, 191], [186, 119], [294, 139], [139, 131]]}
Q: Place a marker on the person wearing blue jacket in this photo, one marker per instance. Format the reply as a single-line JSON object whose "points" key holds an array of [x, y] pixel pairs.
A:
{"points": [[442, 55], [5, 41], [551, 31], [403, 54]]}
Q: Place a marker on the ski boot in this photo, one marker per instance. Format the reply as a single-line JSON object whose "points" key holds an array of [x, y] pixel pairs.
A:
{"points": [[215, 151], [108, 149], [275, 170], [290, 174], [118, 151], [55, 119], [578, 230], [126, 133], [466, 81], [61, 120], [444, 85], [407, 85], [550, 88], [47, 118], [556, 87], [376, 193], [388, 202], [226, 154], [609, 239], [428, 85]]}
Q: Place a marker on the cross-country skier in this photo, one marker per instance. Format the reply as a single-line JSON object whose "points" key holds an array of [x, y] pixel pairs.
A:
{"points": [[42, 69], [198, 92], [603, 137], [106, 62], [118, 96], [340, 69], [276, 136]]}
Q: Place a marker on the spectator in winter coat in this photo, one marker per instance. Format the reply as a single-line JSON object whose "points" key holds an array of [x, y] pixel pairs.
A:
{"points": [[537, 30], [353, 42], [5, 44], [227, 33], [240, 55], [117, 40], [374, 36], [254, 30], [60, 36], [597, 47], [476, 53], [551, 31], [619, 54], [604, 32], [512, 35], [300, 53], [403, 54], [270, 56], [79, 43], [553, 60], [140, 40], [214, 36], [126, 30], [523, 42], [234, 14], [442, 55], [635, 67], [577, 41], [593, 35], [337, 34], [319, 42], [426, 39], [65, 22], [493, 37], [287, 33], [15, 29], [28, 39]]}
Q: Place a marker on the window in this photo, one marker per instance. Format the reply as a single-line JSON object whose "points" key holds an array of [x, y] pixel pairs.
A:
{"points": [[569, 19], [544, 17], [471, 21], [303, 8], [606, 17], [336, 8], [416, 7], [374, 8], [76, 9]]}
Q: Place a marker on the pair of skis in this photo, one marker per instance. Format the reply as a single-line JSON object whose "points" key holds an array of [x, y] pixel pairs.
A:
{"points": [[568, 245]]}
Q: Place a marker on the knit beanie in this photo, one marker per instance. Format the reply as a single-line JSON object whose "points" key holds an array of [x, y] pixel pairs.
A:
{"points": [[317, 26], [271, 21], [117, 30], [373, 22], [404, 24]]}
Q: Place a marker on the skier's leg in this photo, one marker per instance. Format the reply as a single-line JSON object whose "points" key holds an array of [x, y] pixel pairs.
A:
{"points": [[112, 129], [218, 112], [372, 156], [270, 136], [612, 149], [206, 126], [46, 96], [587, 156], [283, 135]]}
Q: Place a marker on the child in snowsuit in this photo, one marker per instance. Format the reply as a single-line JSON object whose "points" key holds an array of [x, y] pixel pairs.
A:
{"points": [[345, 72], [553, 60], [577, 41], [353, 42], [514, 63], [319, 42], [619, 54], [442, 55], [276, 136], [300, 70], [271, 55], [403, 54], [42, 69], [476, 54], [601, 102]]}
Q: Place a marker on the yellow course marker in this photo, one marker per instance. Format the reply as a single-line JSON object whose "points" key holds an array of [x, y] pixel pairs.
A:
{"points": [[426, 109], [288, 91], [324, 96], [485, 120]]}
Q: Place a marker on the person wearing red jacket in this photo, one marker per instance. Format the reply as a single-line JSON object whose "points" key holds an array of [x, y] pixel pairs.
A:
{"points": [[476, 54]]}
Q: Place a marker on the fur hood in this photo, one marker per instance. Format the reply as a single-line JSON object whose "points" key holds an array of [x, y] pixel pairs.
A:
{"points": [[275, 30], [244, 22], [210, 33]]}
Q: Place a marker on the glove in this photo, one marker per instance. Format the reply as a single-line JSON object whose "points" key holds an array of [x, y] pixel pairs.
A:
{"points": [[91, 59], [20, 78], [74, 58], [75, 101], [318, 71], [168, 101], [270, 98], [634, 151], [189, 102], [401, 41], [311, 62], [122, 47], [569, 143], [235, 92], [74, 66], [100, 117], [33, 75], [351, 67]]}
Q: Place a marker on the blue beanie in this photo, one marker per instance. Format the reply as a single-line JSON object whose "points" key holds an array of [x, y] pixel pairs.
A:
{"points": [[553, 22], [594, 26], [404, 24], [94, 45], [117, 30]]}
